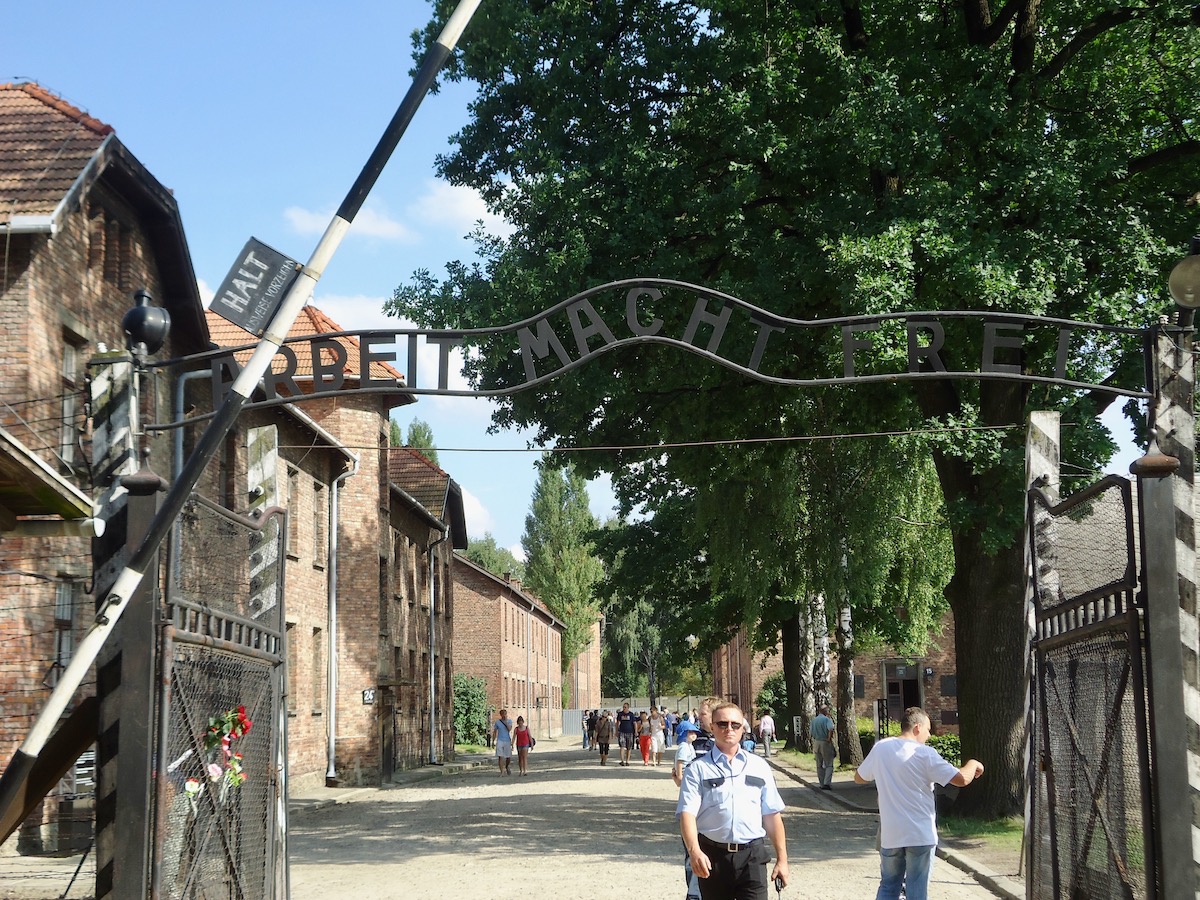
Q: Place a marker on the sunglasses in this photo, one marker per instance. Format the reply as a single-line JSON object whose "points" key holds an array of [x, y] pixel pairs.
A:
{"points": [[733, 725]]}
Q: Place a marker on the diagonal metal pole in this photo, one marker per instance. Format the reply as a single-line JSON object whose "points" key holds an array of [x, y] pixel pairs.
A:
{"points": [[13, 779]]}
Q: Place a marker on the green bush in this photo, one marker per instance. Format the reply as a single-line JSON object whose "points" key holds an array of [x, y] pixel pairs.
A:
{"points": [[948, 745], [471, 712]]}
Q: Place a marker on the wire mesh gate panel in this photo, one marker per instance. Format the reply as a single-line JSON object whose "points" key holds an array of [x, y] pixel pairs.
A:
{"points": [[1091, 820], [217, 828]]}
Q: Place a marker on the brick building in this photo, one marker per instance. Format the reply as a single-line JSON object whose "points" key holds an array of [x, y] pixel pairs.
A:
{"points": [[583, 675], [929, 681], [508, 637], [83, 225], [739, 672], [416, 683]]}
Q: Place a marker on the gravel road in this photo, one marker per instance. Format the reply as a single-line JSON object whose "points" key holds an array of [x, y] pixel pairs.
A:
{"points": [[570, 829]]}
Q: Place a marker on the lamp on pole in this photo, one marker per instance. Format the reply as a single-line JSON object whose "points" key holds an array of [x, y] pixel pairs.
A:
{"points": [[1184, 284]]}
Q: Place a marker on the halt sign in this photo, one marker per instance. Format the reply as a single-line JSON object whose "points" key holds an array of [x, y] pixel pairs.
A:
{"points": [[255, 287]]}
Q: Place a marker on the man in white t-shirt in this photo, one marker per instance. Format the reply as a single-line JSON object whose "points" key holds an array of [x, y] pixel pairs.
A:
{"points": [[904, 771]]}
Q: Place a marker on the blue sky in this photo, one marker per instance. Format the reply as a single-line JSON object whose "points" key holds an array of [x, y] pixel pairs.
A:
{"points": [[259, 116]]}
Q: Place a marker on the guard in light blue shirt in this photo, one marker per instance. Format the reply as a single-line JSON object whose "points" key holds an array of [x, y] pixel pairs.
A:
{"points": [[727, 804]]}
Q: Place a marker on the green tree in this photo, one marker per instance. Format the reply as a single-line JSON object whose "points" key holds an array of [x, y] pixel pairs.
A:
{"points": [[560, 567], [819, 159], [420, 437], [395, 435], [496, 559], [471, 711]]}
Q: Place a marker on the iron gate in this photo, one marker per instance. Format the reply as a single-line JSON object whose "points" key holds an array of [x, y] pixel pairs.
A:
{"points": [[1091, 833], [219, 822]]}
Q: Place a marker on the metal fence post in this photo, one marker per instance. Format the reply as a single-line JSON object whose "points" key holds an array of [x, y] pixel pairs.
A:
{"points": [[1169, 558]]}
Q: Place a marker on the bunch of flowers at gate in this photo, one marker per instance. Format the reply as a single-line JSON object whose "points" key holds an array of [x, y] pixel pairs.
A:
{"points": [[222, 731]]}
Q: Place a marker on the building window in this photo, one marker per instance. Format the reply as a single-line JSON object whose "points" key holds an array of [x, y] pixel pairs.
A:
{"points": [[318, 673], [66, 597], [68, 450], [320, 518], [293, 664], [293, 508]]}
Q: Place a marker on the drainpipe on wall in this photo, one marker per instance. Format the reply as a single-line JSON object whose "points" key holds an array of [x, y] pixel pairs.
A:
{"points": [[331, 626], [433, 760], [528, 658]]}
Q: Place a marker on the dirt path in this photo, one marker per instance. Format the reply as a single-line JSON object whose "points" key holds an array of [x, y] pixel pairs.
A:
{"points": [[571, 829]]}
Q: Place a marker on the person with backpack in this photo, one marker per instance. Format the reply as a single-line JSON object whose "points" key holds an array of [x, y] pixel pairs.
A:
{"points": [[605, 728], [502, 732]]}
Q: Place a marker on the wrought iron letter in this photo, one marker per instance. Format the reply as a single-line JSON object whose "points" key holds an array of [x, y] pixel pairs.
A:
{"points": [[992, 339], [718, 322], [366, 357], [540, 344], [850, 343], [937, 337], [445, 343], [328, 376], [582, 333], [223, 366], [631, 316], [760, 342], [272, 380], [1064, 344]]}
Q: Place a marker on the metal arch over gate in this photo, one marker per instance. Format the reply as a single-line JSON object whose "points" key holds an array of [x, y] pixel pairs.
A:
{"points": [[713, 325]]}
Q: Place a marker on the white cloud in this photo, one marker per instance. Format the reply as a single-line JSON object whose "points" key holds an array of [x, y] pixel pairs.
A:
{"points": [[439, 206], [457, 208], [305, 221], [206, 293], [479, 520], [518, 551]]}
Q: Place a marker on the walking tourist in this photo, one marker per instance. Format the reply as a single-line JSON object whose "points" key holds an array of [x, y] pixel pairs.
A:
{"points": [[905, 770], [658, 741], [671, 719], [524, 741], [592, 718], [604, 735], [727, 805], [766, 731], [644, 737], [502, 734], [694, 740], [626, 732], [820, 729]]}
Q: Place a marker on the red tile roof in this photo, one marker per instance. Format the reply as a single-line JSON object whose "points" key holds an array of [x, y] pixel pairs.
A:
{"points": [[419, 477], [310, 321], [45, 143]]}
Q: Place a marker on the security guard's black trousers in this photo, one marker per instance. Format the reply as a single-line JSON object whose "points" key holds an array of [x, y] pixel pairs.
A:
{"points": [[737, 875]]}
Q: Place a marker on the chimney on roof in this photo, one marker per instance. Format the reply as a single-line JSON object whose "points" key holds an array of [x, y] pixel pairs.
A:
{"points": [[507, 577]]}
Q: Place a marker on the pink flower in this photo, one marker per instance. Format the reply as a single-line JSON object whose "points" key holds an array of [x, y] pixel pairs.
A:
{"points": [[214, 772]]}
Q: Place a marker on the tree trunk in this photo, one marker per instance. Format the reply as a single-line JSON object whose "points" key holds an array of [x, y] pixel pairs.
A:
{"points": [[850, 750], [819, 627], [986, 596], [804, 703], [793, 639]]}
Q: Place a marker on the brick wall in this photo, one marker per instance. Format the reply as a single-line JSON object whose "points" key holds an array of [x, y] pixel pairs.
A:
{"points": [[928, 680], [59, 296], [516, 651]]}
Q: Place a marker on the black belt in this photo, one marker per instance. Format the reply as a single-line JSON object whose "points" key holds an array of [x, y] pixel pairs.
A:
{"points": [[727, 847]]}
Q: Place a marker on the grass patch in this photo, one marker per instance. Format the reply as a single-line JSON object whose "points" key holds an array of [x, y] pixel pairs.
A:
{"points": [[472, 748], [1004, 833]]}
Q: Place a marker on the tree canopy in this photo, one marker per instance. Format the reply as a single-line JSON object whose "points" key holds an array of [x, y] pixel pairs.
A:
{"points": [[560, 566], [496, 559], [817, 159]]}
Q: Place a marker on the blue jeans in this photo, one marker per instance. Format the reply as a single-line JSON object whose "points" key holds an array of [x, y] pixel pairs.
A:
{"points": [[907, 869]]}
